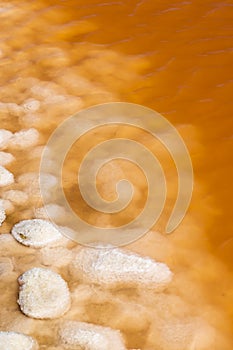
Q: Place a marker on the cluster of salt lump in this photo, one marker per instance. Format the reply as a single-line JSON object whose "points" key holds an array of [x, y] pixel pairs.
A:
{"points": [[43, 294], [115, 267], [35, 233], [16, 341], [80, 335]]}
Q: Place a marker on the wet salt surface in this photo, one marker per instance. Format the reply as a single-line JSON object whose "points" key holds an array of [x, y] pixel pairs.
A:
{"points": [[41, 85]]}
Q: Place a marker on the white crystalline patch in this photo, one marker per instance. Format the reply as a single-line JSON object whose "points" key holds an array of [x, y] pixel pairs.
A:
{"points": [[87, 336], [116, 267], [6, 177], [43, 294], [5, 135], [35, 233], [31, 105], [16, 341], [16, 196], [6, 158], [24, 139], [2, 215]]}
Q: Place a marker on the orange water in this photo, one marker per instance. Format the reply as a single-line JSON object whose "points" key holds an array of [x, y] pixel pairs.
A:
{"points": [[175, 57]]}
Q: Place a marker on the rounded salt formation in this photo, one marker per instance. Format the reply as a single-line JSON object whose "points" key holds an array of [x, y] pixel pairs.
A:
{"points": [[2, 215], [17, 341], [116, 268], [5, 135], [87, 336], [6, 177], [43, 294], [24, 139], [6, 158], [35, 233]]}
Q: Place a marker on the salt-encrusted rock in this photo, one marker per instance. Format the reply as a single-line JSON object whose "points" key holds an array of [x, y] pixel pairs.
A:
{"points": [[87, 336], [35, 233], [24, 139], [17, 341], [5, 135], [43, 294], [16, 196], [6, 158], [6, 177], [2, 214], [116, 267]]}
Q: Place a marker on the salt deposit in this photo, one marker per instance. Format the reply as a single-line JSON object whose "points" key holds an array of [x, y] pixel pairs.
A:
{"points": [[24, 138], [6, 158], [16, 196], [116, 267], [6, 177], [2, 215], [17, 341], [35, 233], [43, 294], [80, 335], [5, 135]]}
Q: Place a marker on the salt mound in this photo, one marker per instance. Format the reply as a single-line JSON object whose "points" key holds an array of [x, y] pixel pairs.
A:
{"points": [[116, 267], [87, 336], [6, 158], [16, 341], [24, 139], [2, 215], [43, 294], [35, 233], [5, 135], [6, 177]]}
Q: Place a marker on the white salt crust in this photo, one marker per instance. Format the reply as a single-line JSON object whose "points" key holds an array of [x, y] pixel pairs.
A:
{"points": [[17, 341], [24, 138], [6, 158], [2, 214], [116, 267], [6, 177], [43, 294], [5, 135], [35, 233], [87, 336]]}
